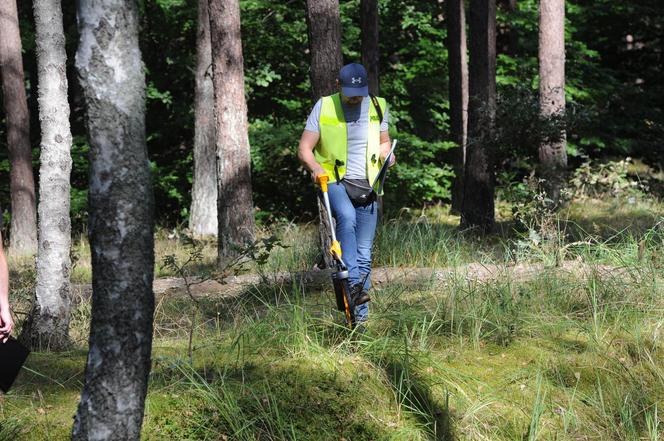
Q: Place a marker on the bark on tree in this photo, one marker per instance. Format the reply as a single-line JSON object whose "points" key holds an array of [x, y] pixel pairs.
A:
{"points": [[234, 201], [370, 51], [478, 204], [203, 219], [552, 155], [324, 28], [23, 238], [458, 79], [508, 37], [121, 223], [48, 324], [513, 45]]}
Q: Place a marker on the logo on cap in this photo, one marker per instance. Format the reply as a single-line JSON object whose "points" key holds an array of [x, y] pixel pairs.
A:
{"points": [[356, 80]]}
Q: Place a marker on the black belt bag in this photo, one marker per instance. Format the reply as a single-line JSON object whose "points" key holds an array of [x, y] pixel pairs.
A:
{"points": [[359, 191]]}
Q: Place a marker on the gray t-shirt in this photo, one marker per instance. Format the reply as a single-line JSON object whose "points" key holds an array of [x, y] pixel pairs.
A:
{"points": [[357, 125]]}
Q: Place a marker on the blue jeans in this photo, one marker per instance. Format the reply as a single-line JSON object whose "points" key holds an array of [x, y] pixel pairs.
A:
{"points": [[356, 228]]}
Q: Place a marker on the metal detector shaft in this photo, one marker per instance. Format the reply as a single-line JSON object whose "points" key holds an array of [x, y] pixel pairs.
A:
{"points": [[326, 200], [340, 277], [335, 249]]}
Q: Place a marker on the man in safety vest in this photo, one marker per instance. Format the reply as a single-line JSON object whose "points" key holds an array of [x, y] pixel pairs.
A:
{"points": [[346, 138]]}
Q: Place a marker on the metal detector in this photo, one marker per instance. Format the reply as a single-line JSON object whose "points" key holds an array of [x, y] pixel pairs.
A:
{"points": [[340, 278]]}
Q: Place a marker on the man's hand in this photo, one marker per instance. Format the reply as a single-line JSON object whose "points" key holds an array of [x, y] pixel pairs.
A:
{"points": [[316, 173], [393, 159], [6, 323]]}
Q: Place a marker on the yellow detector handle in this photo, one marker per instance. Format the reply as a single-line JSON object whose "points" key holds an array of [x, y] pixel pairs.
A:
{"points": [[335, 249], [322, 181]]}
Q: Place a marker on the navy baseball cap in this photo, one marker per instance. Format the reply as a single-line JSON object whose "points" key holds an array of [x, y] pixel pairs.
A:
{"points": [[353, 80]]}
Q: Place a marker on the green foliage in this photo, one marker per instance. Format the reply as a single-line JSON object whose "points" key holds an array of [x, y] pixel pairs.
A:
{"points": [[615, 96], [282, 187], [519, 127], [419, 175], [605, 179]]}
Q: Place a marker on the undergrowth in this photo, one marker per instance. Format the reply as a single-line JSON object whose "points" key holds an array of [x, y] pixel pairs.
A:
{"points": [[570, 352]]}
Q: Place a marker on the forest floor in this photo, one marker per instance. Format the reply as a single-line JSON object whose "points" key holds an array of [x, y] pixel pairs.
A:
{"points": [[552, 333]]}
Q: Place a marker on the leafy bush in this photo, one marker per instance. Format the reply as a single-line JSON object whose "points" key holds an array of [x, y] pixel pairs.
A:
{"points": [[605, 179], [282, 188], [419, 175]]}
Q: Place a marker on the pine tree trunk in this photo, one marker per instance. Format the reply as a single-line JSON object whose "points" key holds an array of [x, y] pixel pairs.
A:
{"points": [[324, 27], [513, 44], [23, 239], [508, 37], [478, 204], [48, 325], [370, 51], [203, 218], [552, 155], [234, 202], [458, 77], [121, 223]]}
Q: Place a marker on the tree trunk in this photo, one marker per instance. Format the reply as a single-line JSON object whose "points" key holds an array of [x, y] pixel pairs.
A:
{"points": [[48, 325], [508, 37], [203, 218], [121, 223], [370, 51], [324, 27], [513, 43], [23, 238], [458, 77], [234, 201], [478, 204], [552, 155]]}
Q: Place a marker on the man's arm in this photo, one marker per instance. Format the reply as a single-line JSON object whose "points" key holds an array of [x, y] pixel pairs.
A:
{"points": [[6, 322], [385, 146], [305, 153], [385, 143]]}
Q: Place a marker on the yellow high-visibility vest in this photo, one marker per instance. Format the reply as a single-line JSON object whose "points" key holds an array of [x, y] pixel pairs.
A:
{"points": [[332, 149]]}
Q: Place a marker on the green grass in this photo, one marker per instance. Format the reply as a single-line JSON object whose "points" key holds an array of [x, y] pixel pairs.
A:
{"points": [[560, 355], [568, 358], [607, 231]]}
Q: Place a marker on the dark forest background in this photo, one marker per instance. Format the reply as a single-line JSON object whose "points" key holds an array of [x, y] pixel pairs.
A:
{"points": [[614, 87]]}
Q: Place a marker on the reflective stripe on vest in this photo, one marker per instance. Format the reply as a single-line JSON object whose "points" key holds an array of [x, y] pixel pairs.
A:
{"points": [[333, 145]]}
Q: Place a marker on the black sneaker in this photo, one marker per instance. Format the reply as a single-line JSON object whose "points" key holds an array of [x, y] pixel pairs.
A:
{"points": [[359, 295]]}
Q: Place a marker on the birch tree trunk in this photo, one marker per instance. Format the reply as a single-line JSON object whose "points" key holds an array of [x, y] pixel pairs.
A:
{"points": [[324, 29], [552, 155], [48, 325], [23, 238], [234, 201], [370, 51], [203, 218], [121, 223], [458, 78], [478, 204]]}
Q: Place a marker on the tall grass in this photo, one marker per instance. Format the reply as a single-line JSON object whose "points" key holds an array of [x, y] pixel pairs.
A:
{"points": [[570, 352]]}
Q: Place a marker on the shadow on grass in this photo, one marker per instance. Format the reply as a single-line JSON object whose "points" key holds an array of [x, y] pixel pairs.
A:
{"points": [[612, 227], [286, 400], [50, 371], [415, 396]]}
